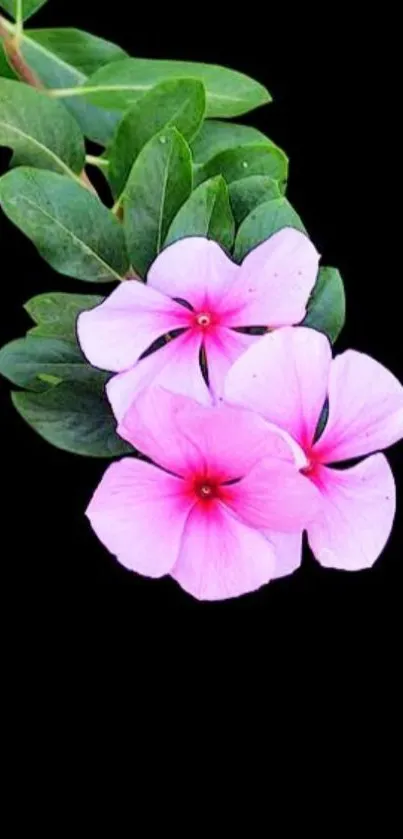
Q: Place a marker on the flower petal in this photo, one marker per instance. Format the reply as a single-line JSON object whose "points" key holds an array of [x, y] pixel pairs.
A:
{"points": [[139, 513], [288, 550], [365, 408], [181, 435], [222, 347], [220, 557], [358, 507], [194, 269], [114, 334], [284, 377], [175, 366], [274, 283], [274, 495]]}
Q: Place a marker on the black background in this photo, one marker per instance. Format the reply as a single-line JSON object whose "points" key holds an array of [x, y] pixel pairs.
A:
{"points": [[334, 114]]}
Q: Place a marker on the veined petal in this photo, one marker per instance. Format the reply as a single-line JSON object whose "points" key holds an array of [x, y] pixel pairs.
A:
{"points": [[114, 334], [139, 513], [284, 377], [220, 557], [356, 516], [223, 347], [288, 550]]}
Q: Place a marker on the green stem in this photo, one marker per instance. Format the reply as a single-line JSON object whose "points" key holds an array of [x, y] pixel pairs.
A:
{"points": [[19, 25], [100, 162]]}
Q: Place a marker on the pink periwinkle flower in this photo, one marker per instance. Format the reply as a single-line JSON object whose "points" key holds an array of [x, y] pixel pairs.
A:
{"points": [[287, 377], [194, 287], [221, 476]]}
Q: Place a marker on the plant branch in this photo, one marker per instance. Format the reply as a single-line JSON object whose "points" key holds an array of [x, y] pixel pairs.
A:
{"points": [[10, 37]]}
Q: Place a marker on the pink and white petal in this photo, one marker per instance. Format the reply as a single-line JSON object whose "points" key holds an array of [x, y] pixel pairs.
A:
{"points": [[365, 408], [274, 496], [194, 269], [357, 512], [288, 550], [220, 557], [139, 514], [223, 347], [284, 376], [114, 334], [175, 366], [274, 283]]}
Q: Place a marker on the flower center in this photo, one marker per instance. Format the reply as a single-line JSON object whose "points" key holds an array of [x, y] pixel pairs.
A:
{"points": [[204, 320], [206, 489]]}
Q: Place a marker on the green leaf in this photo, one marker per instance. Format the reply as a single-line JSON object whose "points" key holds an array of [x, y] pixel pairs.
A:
{"points": [[56, 313], [64, 58], [206, 213], [39, 130], [119, 85], [28, 7], [74, 417], [70, 227], [216, 136], [159, 183], [244, 161], [5, 70], [25, 360], [262, 223], [327, 305], [248, 193], [180, 103]]}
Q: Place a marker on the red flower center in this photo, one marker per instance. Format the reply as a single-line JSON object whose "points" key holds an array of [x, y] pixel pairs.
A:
{"points": [[207, 489], [204, 320]]}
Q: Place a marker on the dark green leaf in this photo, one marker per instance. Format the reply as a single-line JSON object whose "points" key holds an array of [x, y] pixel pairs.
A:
{"points": [[72, 230], [64, 58], [28, 7], [244, 161], [206, 213], [248, 193], [229, 93], [39, 130], [159, 183], [180, 103], [56, 313], [5, 70], [262, 223], [216, 136], [25, 360], [74, 417], [327, 306]]}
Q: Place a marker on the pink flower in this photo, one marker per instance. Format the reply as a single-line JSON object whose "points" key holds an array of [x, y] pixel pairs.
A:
{"points": [[222, 476], [287, 377], [270, 288]]}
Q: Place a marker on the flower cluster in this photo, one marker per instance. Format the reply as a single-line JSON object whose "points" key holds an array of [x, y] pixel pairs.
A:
{"points": [[246, 438]]}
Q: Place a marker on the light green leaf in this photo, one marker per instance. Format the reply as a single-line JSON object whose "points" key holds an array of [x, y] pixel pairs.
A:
{"points": [[159, 183], [327, 305], [262, 223], [56, 313], [119, 85], [26, 8], [244, 161], [75, 417], [25, 361], [206, 213], [64, 58], [216, 136], [248, 193], [180, 103], [70, 227], [39, 130]]}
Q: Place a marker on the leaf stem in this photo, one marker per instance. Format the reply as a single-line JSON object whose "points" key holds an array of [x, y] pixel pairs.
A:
{"points": [[18, 21], [100, 162], [11, 37]]}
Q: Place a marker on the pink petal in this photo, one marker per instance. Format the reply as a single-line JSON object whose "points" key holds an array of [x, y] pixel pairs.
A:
{"points": [[183, 436], [116, 333], [284, 377], [220, 557], [274, 283], [194, 269], [274, 495], [175, 366], [139, 513], [365, 408], [358, 507], [288, 550], [222, 347]]}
